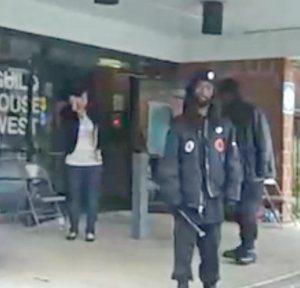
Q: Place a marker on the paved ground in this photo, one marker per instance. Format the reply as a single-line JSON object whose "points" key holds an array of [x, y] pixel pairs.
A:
{"points": [[36, 260]]}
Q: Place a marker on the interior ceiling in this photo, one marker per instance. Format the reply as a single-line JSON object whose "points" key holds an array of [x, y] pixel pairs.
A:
{"points": [[183, 17], [164, 29], [166, 16]]}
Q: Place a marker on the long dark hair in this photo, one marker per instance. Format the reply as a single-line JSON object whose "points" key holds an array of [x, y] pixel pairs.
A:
{"points": [[94, 107], [190, 104], [238, 110], [229, 86]]}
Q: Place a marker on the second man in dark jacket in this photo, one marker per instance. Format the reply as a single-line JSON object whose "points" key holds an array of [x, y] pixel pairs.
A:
{"points": [[256, 150]]}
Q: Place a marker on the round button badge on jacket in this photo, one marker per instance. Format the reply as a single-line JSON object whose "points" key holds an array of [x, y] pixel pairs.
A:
{"points": [[189, 146]]}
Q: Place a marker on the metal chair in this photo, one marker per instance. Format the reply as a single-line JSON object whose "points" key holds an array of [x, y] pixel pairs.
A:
{"points": [[44, 203], [26, 188], [273, 195]]}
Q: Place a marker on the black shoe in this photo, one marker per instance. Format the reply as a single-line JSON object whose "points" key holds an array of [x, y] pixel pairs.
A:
{"points": [[184, 284], [233, 254], [246, 258], [71, 235], [90, 237], [209, 285]]}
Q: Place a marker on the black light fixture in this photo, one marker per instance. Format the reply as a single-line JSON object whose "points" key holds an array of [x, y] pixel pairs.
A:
{"points": [[107, 2], [212, 17]]}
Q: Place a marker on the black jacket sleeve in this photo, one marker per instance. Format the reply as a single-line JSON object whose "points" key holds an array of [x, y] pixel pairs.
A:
{"points": [[68, 118], [265, 164], [233, 168], [169, 175]]}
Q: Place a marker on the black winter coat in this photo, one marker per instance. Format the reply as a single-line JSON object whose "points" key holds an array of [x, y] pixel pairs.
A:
{"points": [[254, 140], [187, 181]]}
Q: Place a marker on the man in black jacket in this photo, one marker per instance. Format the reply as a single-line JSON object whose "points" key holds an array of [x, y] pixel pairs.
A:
{"points": [[200, 170], [256, 150]]}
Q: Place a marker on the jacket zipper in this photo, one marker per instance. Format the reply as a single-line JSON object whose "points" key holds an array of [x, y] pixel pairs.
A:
{"points": [[207, 167], [201, 196]]}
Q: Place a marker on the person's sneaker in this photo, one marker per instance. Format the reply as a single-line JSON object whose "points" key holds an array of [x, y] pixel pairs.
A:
{"points": [[90, 237], [233, 254], [184, 284], [246, 258], [71, 235]]}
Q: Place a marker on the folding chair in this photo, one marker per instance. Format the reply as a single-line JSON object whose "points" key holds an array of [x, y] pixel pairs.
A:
{"points": [[273, 195], [43, 201]]}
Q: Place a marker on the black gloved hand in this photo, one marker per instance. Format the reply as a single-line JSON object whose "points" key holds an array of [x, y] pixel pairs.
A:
{"points": [[261, 169]]}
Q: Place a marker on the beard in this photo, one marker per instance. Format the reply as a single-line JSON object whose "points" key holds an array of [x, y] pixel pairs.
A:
{"points": [[203, 104], [203, 100]]}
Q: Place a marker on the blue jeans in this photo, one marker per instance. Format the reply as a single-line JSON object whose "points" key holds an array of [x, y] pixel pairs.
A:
{"points": [[83, 181]]}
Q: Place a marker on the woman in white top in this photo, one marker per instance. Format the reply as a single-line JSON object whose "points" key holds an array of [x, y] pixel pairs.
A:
{"points": [[83, 139]]}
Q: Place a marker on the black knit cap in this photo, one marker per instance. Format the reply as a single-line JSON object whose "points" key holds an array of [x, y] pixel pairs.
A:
{"points": [[205, 75]]}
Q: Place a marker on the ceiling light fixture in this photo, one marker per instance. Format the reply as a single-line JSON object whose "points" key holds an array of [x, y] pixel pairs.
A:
{"points": [[112, 63]]}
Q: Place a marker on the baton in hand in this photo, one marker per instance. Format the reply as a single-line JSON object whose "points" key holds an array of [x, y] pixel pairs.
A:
{"points": [[199, 231]]}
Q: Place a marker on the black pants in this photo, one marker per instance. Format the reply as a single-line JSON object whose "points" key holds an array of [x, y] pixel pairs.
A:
{"points": [[184, 242], [247, 210], [83, 181]]}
